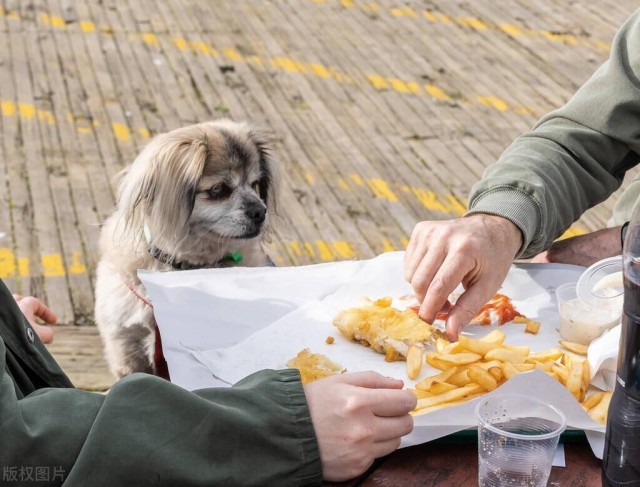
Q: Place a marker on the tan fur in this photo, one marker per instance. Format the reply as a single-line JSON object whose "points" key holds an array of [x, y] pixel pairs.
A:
{"points": [[202, 192]]}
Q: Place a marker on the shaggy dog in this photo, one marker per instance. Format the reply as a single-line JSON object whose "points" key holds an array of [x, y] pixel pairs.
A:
{"points": [[199, 196]]}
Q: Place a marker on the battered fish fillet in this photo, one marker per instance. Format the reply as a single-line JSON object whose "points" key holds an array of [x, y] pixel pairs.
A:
{"points": [[385, 329], [314, 366]]}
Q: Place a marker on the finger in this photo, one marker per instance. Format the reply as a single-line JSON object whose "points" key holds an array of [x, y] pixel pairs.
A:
{"points": [[391, 428], [449, 275], [17, 297], [466, 308], [425, 273], [43, 312], [390, 402], [416, 249], [383, 448], [44, 332], [370, 380]]}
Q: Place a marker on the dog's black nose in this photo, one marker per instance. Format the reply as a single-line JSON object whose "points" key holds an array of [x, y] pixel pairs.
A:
{"points": [[256, 213]]}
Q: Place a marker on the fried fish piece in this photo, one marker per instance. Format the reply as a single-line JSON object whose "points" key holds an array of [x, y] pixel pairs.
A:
{"points": [[314, 366], [385, 329]]}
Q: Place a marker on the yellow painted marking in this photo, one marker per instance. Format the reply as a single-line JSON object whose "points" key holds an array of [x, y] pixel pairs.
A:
{"points": [[325, 251], [204, 48], [8, 108], [77, 266], [121, 131], [344, 249], [87, 26], [348, 3], [27, 111], [429, 16], [472, 22], [13, 16], [295, 246], [342, 184], [23, 267], [309, 178], [7, 263], [1, 12], [403, 12], [429, 200], [288, 65], [255, 60], [378, 82], [58, 22], [356, 179], [564, 38], [52, 265], [388, 246], [180, 43], [232, 54], [572, 232], [309, 249], [320, 70], [458, 207], [381, 189], [437, 93], [83, 130], [144, 133], [150, 39], [46, 116], [414, 87], [512, 30], [405, 242], [399, 86], [494, 102]]}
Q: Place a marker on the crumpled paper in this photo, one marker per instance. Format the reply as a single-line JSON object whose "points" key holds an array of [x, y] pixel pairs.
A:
{"points": [[219, 325]]}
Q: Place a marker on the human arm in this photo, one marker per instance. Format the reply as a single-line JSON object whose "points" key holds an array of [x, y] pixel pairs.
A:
{"points": [[33, 308], [358, 418], [584, 249], [573, 159]]}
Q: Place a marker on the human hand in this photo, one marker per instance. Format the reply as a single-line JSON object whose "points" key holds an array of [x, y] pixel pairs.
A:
{"points": [[33, 308], [476, 251], [585, 249], [357, 418]]}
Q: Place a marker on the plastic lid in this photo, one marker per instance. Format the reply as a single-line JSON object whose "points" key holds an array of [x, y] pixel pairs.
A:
{"points": [[601, 284]]}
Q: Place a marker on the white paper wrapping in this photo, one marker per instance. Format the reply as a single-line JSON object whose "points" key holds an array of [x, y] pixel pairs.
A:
{"points": [[220, 325]]}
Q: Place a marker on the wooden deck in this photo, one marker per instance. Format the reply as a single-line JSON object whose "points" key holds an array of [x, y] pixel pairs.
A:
{"points": [[385, 113]]}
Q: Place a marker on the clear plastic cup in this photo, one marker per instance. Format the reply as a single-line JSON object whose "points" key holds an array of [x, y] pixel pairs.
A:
{"points": [[517, 440], [579, 321], [601, 284]]}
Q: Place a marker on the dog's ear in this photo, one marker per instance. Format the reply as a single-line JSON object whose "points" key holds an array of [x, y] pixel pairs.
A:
{"points": [[269, 170], [161, 187]]}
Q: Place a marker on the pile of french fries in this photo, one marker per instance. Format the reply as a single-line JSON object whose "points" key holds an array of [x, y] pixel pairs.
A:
{"points": [[472, 367]]}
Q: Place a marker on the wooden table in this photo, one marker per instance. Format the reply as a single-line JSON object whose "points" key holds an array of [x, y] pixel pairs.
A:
{"points": [[434, 464]]}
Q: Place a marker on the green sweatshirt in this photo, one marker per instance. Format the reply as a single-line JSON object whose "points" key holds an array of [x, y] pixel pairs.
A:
{"points": [[575, 157], [145, 431]]}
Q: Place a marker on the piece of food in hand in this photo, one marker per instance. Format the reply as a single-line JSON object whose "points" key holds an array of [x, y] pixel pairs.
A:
{"points": [[314, 366], [497, 311], [385, 329]]}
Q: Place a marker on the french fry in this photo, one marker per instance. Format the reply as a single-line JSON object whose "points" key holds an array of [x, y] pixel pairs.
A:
{"points": [[414, 361], [521, 349], [532, 327], [550, 355], [476, 346], [482, 378], [460, 378], [449, 396], [430, 409], [494, 336], [576, 348], [432, 358], [460, 358], [505, 355], [441, 344], [600, 410], [440, 387], [592, 400], [574, 378], [425, 384]]}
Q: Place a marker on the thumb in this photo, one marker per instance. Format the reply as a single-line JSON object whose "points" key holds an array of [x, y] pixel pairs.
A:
{"points": [[464, 310]]}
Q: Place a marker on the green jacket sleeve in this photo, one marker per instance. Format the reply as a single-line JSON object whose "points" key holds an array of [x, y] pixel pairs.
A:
{"points": [[575, 157], [146, 431]]}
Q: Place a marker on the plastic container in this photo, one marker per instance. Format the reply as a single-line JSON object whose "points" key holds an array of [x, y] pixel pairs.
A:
{"points": [[601, 286]]}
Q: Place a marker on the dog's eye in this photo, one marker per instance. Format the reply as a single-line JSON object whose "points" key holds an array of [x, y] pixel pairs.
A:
{"points": [[219, 191], [256, 186]]}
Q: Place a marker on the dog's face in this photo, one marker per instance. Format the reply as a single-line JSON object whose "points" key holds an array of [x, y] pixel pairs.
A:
{"points": [[211, 182]]}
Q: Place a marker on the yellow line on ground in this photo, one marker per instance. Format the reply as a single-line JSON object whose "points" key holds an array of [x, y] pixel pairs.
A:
{"points": [[293, 66], [433, 16]]}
